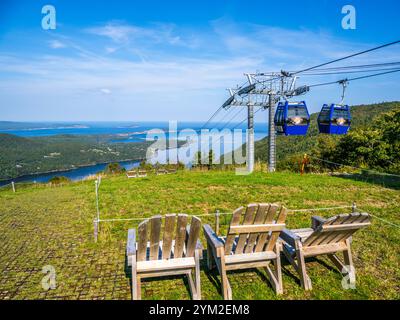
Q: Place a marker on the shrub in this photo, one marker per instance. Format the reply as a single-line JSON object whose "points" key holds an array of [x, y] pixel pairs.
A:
{"points": [[59, 180], [114, 168]]}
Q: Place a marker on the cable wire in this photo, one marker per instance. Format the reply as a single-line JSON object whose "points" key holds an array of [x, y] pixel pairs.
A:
{"points": [[212, 117], [351, 71], [353, 79], [347, 57], [385, 64], [245, 119]]}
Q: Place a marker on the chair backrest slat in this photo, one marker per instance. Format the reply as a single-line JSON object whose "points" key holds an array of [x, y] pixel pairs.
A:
{"points": [[248, 220], [275, 234], [155, 230], [340, 228], [258, 232], [142, 240], [180, 235], [169, 227], [315, 238], [259, 219], [194, 233], [263, 237], [326, 237], [237, 214], [362, 220], [337, 229]]}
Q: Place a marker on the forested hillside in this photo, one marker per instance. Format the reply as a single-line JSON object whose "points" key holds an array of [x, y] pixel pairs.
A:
{"points": [[373, 141], [20, 156]]}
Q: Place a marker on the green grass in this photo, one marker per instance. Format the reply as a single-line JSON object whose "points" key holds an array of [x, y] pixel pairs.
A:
{"points": [[42, 225]]}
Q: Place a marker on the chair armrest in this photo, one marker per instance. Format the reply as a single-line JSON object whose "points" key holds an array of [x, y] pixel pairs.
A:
{"points": [[212, 238], [131, 247], [289, 237], [131, 243], [316, 221]]}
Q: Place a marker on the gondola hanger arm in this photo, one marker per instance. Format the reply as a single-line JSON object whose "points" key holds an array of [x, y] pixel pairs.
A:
{"points": [[344, 84]]}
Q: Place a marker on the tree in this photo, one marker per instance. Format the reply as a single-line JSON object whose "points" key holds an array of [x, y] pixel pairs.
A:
{"points": [[114, 168], [59, 180], [211, 159], [376, 146]]}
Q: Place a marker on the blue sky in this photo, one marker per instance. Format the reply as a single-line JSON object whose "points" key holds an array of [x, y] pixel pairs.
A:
{"points": [[173, 60]]}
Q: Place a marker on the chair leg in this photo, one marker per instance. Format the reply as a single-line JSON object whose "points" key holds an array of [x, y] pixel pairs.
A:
{"points": [[134, 278], [226, 288], [348, 261], [304, 278], [197, 273], [192, 285], [138, 288], [278, 268], [273, 279]]}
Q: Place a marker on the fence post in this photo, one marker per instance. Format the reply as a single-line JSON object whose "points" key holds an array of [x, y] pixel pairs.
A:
{"points": [[97, 220], [217, 222], [13, 186], [354, 207], [96, 229]]}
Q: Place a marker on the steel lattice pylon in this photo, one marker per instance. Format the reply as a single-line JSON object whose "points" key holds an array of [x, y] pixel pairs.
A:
{"points": [[263, 90]]}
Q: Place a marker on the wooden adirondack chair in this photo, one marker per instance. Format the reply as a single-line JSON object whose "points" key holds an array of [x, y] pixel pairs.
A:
{"points": [[132, 174], [326, 237], [179, 252], [251, 242], [161, 171], [142, 173]]}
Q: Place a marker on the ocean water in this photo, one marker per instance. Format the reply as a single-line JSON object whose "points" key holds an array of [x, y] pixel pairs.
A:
{"points": [[127, 132], [133, 131], [74, 174]]}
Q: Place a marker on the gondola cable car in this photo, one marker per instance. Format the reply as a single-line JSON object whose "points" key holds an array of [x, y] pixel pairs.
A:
{"points": [[335, 118], [292, 118]]}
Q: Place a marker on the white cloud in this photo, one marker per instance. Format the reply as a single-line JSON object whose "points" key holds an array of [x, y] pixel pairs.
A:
{"points": [[111, 49], [124, 34], [171, 82], [56, 44], [105, 91]]}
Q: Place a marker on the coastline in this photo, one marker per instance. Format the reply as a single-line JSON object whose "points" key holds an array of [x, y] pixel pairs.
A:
{"points": [[32, 175]]}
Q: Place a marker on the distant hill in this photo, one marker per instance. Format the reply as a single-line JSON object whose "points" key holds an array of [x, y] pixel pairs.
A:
{"points": [[13, 125], [21, 156], [362, 115]]}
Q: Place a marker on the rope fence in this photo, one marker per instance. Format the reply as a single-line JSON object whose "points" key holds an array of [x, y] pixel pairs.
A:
{"points": [[217, 215], [353, 167], [12, 184]]}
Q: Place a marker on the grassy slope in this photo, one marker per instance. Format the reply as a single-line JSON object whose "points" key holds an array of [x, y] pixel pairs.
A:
{"points": [[43, 225]]}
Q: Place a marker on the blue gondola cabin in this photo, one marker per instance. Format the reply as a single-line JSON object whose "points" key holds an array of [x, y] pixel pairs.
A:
{"points": [[292, 118], [334, 119]]}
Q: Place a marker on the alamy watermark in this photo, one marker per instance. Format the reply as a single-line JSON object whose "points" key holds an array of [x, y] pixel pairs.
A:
{"points": [[49, 21], [201, 147], [349, 20], [49, 280], [349, 279]]}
